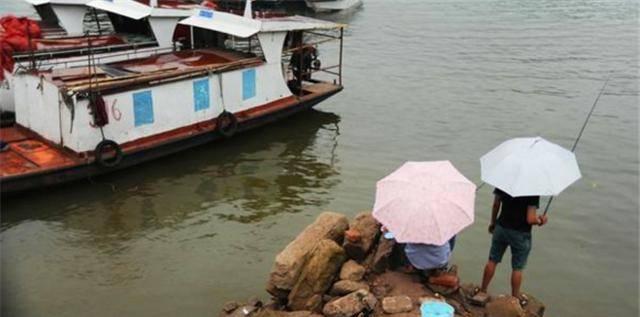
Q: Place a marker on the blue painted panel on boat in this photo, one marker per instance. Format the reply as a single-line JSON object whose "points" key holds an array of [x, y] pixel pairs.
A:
{"points": [[201, 94], [248, 84], [206, 14], [143, 108]]}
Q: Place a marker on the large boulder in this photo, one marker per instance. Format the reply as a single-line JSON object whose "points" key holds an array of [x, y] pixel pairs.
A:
{"points": [[397, 304], [505, 306], [363, 233], [350, 305], [289, 262], [317, 276], [345, 287], [352, 271]]}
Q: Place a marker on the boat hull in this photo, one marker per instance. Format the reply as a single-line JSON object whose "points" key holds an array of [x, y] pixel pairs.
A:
{"points": [[21, 183]]}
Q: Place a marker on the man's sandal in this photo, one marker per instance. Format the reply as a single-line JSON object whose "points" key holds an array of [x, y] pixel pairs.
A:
{"points": [[523, 300]]}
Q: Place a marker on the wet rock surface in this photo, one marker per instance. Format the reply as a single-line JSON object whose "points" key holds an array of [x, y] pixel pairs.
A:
{"points": [[316, 276]]}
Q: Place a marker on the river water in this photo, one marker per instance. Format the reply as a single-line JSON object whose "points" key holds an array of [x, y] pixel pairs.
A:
{"points": [[425, 80]]}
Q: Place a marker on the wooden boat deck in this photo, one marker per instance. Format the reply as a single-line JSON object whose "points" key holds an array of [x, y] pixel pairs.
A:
{"points": [[28, 153]]}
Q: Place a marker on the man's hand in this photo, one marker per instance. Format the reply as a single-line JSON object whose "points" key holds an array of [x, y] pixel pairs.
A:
{"points": [[542, 220], [492, 227]]}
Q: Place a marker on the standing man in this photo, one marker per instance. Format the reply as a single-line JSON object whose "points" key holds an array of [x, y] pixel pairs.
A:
{"points": [[512, 229]]}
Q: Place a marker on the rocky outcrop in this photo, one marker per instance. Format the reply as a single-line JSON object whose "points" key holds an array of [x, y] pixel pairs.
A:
{"points": [[350, 305], [289, 263], [317, 276], [362, 235]]}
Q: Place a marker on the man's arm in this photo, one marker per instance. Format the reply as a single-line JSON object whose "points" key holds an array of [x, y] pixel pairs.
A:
{"points": [[494, 213], [533, 218]]}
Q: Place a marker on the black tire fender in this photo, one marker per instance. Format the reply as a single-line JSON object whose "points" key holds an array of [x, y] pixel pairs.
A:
{"points": [[227, 124], [103, 148]]}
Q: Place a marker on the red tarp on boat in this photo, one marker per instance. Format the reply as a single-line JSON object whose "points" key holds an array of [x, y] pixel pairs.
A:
{"points": [[14, 36]]}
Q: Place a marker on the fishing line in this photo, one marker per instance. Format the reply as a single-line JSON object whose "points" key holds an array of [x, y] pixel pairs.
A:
{"points": [[584, 125]]}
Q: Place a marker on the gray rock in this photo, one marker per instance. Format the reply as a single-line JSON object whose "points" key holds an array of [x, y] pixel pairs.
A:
{"points": [[289, 263], [317, 276], [350, 305], [397, 304], [345, 287], [352, 271]]}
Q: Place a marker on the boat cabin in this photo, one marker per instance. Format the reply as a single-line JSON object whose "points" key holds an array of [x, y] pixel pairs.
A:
{"points": [[133, 30]]}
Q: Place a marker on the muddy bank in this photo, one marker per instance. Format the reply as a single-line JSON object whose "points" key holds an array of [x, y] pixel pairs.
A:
{"points": [[341, 268]]}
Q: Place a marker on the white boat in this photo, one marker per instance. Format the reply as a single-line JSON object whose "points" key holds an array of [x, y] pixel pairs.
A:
{"points": [[82, 121], [333, 5]]}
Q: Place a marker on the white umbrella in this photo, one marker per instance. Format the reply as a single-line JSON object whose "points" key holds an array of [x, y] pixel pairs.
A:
{"points": [[530, 167]]}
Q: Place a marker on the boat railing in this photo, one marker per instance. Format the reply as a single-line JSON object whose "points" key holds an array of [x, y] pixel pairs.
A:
{"points": [[51, 54], [319, 37]]}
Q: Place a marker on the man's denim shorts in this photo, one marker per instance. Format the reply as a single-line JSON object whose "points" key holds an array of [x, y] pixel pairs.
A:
{"points": [[519, 241]]}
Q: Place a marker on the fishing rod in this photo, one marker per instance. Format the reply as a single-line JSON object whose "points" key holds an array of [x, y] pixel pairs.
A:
{"points": [[584, 125]]}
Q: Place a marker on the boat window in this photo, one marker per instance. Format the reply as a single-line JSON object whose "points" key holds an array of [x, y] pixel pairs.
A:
{"points": [[134, 30], [212, 39]]}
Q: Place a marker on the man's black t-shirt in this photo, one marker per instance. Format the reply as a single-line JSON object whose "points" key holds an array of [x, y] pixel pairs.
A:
{"points": [[514, 210]]}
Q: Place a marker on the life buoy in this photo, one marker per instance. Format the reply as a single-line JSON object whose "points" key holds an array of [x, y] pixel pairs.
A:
{"points": [[103, 148], [227, 124]]}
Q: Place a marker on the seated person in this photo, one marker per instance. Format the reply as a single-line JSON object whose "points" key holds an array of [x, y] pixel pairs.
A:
{"points": [[433, 260]]}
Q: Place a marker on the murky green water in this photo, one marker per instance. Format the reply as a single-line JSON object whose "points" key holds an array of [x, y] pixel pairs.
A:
{"points": [[425, 80]]}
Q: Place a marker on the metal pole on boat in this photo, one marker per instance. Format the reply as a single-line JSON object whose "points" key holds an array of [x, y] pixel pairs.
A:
{"points": [[340, 61], [95, 16], [31, 52], [191, 33], [300, 63]]}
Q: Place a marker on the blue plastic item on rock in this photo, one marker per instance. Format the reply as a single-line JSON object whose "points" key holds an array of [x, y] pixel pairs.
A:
{"points": [[436, 308], [388, 235]]}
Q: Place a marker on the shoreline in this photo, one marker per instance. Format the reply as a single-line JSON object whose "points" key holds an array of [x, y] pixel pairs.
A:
{"points": [[338, 267]]}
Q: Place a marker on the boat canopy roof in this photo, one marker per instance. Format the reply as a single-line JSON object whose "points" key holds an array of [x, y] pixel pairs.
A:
{"points": [[136, 10], [297, 23], [245, 27], [128, 8], [223, 22], [67, 2]]}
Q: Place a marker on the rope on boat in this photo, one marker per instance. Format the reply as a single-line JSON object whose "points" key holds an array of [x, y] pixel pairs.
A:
{"points": [[584, 126]]}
